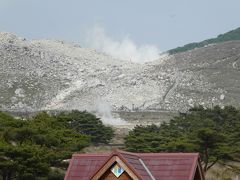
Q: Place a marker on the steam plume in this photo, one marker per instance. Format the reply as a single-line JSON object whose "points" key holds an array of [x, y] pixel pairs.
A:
{"points": [[124, 49], [104, 111]]}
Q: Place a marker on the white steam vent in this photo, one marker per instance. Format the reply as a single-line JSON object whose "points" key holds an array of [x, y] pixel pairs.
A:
{"points": [[104, 111], [124, 49]]}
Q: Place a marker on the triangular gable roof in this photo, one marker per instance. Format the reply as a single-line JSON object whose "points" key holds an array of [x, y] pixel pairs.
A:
{"points": [[115, 157], [147, 166]]}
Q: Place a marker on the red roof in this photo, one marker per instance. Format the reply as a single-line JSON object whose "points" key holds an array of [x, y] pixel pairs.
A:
{"points": [[146, 166]]}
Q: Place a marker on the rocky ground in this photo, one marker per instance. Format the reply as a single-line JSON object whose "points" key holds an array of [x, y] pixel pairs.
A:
{"points": [[49, 74]]}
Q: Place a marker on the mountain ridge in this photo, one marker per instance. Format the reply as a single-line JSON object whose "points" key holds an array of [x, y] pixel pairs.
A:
{"points": [[48, 75], [228, 36]]}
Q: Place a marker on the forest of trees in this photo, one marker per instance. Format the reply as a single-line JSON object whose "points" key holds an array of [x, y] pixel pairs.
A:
{"points": [[229, 36], [35, 148], [214, 133]]}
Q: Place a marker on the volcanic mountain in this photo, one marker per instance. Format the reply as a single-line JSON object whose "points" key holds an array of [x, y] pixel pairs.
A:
{"points": [[50, 75]]}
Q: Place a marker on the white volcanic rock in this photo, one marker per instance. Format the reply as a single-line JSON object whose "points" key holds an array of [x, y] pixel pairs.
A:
{"points": [[49, 74]]}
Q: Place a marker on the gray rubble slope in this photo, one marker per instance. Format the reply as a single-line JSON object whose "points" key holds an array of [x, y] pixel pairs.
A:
{"points": [[48, 74]]}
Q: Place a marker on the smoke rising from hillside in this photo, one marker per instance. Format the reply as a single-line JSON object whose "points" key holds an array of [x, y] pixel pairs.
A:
{"points": [[104, 111], [124, 49]]}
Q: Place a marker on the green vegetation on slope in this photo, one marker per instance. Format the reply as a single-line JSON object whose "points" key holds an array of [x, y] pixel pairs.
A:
{"points": [[86, 123], [29, 148], [214, 133], [229, 36]]}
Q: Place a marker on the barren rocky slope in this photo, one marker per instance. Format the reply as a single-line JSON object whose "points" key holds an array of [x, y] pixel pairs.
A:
{"points": [[47, 74]]}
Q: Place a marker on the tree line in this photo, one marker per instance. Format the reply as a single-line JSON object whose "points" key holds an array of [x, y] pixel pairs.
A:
{"points": [[213, 132], [35, 148], [228, 36]]}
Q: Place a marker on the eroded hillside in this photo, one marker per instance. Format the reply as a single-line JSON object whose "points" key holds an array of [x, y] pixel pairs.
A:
{"points": [[47, 74]]}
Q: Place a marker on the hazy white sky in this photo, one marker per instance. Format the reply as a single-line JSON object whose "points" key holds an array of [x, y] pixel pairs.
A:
{"points": [[163, 23]]}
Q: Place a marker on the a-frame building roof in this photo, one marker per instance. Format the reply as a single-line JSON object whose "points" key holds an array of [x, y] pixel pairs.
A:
{"points": [[142, 166]]}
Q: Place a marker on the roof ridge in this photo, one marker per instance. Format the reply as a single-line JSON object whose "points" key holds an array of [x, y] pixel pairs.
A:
{"points": [[146, 168], [91, 154], [125, 152], [168, 154], [116, 151]]}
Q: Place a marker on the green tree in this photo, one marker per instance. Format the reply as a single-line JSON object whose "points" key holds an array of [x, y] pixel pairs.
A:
{"points": [[23, 162], [214, 133], [228, 36], [87, 123], [28, 148]]}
